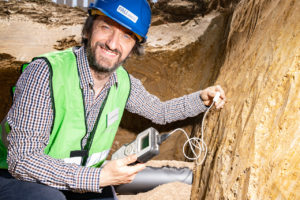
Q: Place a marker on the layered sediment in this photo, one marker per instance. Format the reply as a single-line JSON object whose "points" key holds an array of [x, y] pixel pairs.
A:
{"points": [[254, 142]]}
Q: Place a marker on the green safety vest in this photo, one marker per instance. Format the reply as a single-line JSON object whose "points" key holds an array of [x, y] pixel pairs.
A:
{"points": [[69, 124]]}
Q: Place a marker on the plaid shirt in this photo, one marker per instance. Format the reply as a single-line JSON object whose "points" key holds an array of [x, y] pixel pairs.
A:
{"points": [[31, 118]]}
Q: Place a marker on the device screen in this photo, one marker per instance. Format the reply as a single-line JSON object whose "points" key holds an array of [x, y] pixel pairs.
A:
{"points": [[145, 142]]}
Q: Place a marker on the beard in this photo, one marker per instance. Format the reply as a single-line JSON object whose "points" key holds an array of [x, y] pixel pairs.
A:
{"points": [[94, 61]]}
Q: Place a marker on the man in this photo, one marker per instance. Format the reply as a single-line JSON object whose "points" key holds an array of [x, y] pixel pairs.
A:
{"points": [[68, 105]]}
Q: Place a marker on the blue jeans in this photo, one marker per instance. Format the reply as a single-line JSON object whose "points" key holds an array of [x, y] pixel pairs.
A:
{"points": [[13, 189]]}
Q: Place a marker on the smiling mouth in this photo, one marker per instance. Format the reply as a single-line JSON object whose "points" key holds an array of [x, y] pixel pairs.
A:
{"points": [[107, 51]]}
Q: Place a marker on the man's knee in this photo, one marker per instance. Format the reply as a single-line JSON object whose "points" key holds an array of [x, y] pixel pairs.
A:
{"points": [[44, 192], [15, 189]]}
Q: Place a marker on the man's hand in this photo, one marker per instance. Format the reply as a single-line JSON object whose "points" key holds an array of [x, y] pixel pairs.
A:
{"points": [[209, 93], [117, 172]]}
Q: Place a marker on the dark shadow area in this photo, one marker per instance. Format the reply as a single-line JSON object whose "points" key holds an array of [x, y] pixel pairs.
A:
{"points": [[170, 11], [9, 74], [136, 124]]}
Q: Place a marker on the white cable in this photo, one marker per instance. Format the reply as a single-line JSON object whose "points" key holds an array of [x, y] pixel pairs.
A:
{"points": [[196, 142]]}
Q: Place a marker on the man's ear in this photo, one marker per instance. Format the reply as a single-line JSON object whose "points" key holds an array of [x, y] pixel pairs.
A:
{"points": [[85, 36]]}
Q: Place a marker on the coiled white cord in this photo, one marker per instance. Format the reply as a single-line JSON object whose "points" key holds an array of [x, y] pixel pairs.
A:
{"points": [[196, 142]]}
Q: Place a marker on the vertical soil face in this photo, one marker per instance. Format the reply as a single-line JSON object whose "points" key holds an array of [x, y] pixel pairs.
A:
{"points": [[254, 141]]}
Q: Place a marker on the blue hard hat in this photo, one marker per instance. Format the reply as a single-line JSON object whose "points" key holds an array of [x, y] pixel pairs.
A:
{"points": [[134, 15]]}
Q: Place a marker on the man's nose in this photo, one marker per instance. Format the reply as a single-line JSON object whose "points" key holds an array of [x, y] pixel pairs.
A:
{"points": [[114, 40]]}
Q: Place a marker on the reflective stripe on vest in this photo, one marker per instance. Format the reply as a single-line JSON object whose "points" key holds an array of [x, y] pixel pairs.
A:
{"points": [[92, 160], [69, 126]]}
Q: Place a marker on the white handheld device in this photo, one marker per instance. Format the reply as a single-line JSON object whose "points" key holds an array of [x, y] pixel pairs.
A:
{"points": [[145, 146]]}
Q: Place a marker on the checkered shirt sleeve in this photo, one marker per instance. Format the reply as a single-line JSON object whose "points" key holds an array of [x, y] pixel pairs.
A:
{"points": [[150, 106]]}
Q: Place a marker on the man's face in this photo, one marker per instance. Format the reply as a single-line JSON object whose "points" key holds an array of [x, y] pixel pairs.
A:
{"points": [[109, 45]]}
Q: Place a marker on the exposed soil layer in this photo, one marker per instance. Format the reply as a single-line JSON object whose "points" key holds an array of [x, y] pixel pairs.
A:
{"points": [[66, 43], [44, 12]]}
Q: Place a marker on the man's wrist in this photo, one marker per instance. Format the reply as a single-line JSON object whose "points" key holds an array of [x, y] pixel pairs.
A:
{"points": [[87, 179]]}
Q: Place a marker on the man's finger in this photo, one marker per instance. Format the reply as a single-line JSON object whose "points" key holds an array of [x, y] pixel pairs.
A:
{"points": [[134, 169], [222, 93], [129, 159], [220, 104], [211, 94]]}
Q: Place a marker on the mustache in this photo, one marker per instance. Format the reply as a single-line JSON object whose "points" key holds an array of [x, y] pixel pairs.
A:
{"points": [[104, 46]]}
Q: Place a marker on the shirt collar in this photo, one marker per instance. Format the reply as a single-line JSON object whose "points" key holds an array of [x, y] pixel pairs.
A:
{"points": [[86, 79]]}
